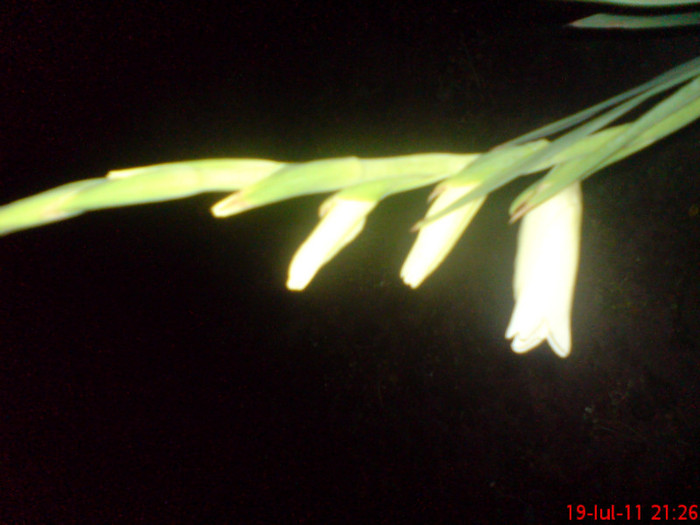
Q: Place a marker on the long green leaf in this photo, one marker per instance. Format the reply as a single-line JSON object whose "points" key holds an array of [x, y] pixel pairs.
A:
{"points": [[542, 157], [678, 109], [610, 21]]}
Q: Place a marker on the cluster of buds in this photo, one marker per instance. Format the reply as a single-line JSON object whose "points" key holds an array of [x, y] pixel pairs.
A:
{"points": [[545, 267], [548, 242], [549, 210]]}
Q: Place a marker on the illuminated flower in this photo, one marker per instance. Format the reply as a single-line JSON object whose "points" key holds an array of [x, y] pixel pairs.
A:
{"points": [[342, 219], [437, 238], [545, 273]]}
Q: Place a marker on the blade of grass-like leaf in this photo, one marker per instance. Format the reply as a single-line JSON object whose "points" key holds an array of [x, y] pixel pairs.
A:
{"points": [[690, 113], [539, 159], [669, 125], [598, 123], [565, 174], [679, 73], [610, 21]]}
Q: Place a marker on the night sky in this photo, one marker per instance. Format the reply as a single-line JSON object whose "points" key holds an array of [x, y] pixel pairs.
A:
{"points": [[155, 369]]}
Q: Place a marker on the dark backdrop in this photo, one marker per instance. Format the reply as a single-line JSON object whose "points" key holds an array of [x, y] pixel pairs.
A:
{"points": [[153, 367]]}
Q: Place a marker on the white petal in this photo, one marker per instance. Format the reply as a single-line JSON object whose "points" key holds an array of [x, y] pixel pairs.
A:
{"points": [[545, 273], [436, 239], [342, 220]]}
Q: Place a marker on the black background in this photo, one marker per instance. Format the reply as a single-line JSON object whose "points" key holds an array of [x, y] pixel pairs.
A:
{"points": [[153, 367]]}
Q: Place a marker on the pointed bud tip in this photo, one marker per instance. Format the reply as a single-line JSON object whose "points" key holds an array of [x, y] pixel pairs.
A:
{"points": [[231, 205]]}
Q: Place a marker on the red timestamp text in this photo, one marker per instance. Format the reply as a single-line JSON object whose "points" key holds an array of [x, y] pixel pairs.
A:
{"points": [[634, 512]]}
